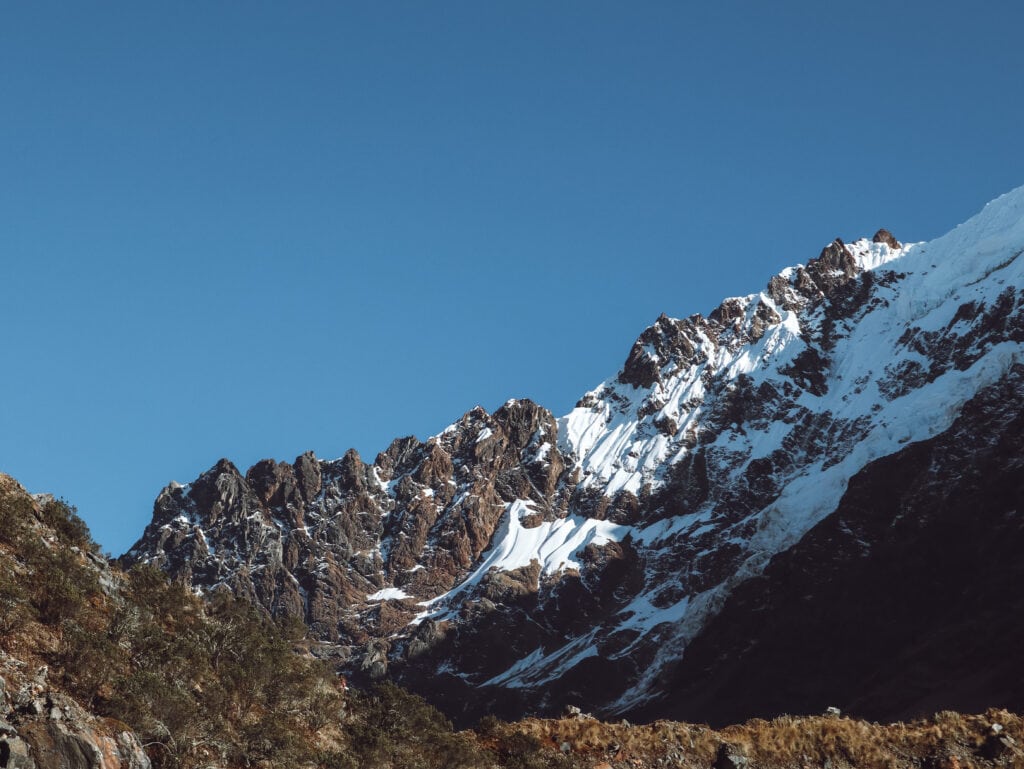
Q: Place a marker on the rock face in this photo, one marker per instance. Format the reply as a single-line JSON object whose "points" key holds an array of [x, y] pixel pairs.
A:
{"points": [[43, 729], [794, 442]]}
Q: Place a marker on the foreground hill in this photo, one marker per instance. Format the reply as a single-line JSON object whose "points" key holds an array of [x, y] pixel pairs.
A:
{"points": [[102, 669], [809, 497]]}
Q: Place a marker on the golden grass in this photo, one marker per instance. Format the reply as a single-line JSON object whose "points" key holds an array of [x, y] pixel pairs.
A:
{"points": [[948, 740]]}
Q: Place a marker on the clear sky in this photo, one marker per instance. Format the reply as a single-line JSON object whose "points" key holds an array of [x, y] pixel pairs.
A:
{"points": [[254, 229]]}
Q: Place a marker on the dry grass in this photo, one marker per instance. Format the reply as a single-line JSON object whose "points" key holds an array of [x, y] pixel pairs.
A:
{"points": [[946, 741]]}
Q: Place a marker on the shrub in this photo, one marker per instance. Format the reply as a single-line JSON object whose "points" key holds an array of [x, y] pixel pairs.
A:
{"points": [[521, 751], [70, 529], [15, 609], [62, 585], [88, 658], [394, 728], [15, 512]]}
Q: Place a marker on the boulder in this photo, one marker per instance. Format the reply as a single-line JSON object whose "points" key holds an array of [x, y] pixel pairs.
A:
{"points": [[730, 757]]}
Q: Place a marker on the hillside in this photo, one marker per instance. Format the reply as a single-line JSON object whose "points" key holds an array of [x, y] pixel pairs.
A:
{"points": [[105, 669]]}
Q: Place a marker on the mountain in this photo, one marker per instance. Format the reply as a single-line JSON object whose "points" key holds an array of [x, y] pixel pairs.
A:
{"points": [[106, 669], [808, 497]]}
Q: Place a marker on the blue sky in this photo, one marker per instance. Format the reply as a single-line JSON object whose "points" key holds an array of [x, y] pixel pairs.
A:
{"points": [[250, 230]]}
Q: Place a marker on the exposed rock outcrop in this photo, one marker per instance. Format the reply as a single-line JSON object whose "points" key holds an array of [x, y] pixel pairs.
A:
{"points": [[48, 730]]}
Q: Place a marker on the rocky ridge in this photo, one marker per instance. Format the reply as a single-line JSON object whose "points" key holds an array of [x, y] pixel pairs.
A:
{"points": [[519, 562]]}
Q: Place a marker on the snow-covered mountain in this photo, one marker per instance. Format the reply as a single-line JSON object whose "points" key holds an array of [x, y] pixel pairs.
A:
{"points": [[517, 562]]}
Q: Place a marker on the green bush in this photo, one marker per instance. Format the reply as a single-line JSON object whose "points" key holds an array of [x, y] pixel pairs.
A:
{"points": [[88, 658], [393, 728], [15, 609], [521, 751], [213, 680], [70, 529], [15, 513], [337, 759], [62, 585]]}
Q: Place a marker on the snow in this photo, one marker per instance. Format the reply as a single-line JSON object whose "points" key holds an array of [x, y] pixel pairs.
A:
{"points": [[531, 661], [542, 452], [553, 544], [614, 452], [538, 668], [871, 256], [388, 594], [643, 616]]}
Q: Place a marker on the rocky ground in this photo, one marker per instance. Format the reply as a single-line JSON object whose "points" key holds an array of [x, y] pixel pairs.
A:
{"points": [[43, 728]]}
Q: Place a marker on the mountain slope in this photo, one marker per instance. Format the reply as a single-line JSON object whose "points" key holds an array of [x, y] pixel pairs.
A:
{"points": [[518, 562], [904, 601]]}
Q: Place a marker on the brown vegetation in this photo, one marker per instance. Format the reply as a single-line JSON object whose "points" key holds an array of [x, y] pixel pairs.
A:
{"points": [[947, 741]]}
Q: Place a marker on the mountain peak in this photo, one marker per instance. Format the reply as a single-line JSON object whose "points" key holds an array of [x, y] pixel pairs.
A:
{"points": [[884, 236], [526, 556]]}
